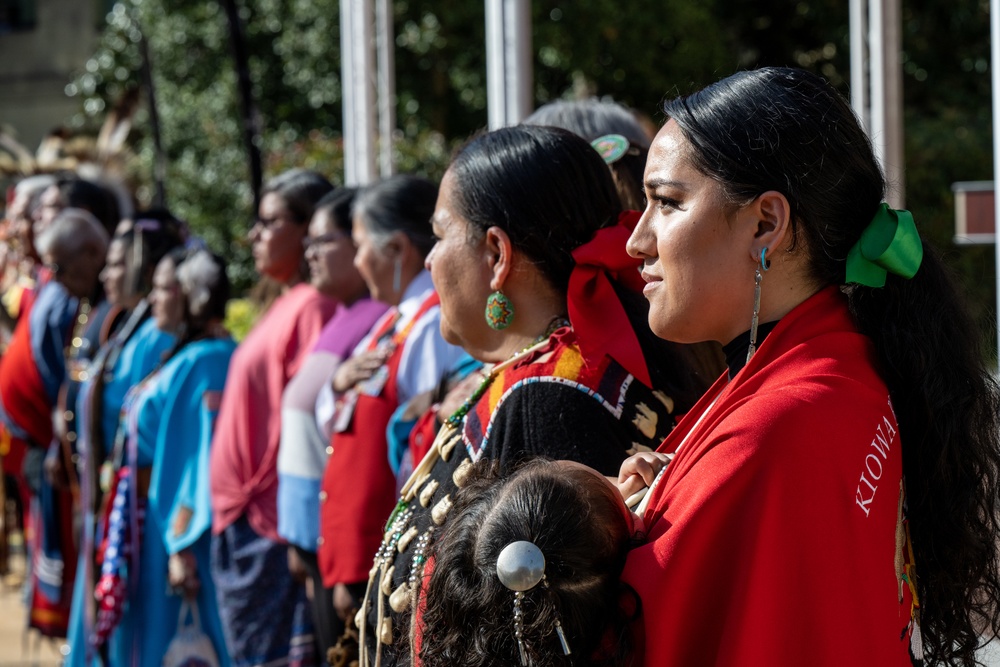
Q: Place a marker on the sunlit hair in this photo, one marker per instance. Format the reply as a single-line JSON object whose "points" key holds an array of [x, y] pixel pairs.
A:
{"points": [[201, 276], [71, 231], [299, 189], [76, 192], [402, 203], [339, 205], [593, 118], [545, 186], [146, 240], [579, 524]]}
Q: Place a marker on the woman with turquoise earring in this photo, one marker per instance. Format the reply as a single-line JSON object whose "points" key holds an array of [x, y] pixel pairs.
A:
{"points": [[832, 499]]}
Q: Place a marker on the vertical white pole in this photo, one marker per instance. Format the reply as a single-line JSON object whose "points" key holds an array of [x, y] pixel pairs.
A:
{"points": [[892, 45], [517, 54], [496, 98], [876, 78], [859, 80], [508, 61], [995, 77], [358, 78], [385, 45], [347, 89]]}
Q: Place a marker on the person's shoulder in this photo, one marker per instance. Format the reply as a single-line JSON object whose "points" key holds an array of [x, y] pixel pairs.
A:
{"points": [[148, 330], [306, 293], [208, 348], [817, 411], [50, 299], [201, 358]]}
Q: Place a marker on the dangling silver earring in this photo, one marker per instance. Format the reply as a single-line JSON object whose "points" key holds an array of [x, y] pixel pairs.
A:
{"points": [[397, 275], [762, 266]]}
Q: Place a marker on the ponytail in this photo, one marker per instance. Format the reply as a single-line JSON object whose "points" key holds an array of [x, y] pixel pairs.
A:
{"points": [[947, 405]]}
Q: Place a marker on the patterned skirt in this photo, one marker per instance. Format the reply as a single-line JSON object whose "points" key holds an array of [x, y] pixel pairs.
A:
{"points": [[265, 613]]}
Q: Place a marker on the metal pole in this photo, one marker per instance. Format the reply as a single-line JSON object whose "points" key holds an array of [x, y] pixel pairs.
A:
{"points": [[495, 79], [347, 90], [893, 110], [876, 78], [859, 82], [517, 56], [159, 155], [508, 61], [995, 79], [386, 84], [358, 77]]}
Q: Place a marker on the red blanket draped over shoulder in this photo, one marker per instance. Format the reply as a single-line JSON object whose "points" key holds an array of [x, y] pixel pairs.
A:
{"points": [[773, 533]]}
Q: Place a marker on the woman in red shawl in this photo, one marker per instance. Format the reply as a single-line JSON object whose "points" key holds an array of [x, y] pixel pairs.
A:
{"points": [[833, 499]]}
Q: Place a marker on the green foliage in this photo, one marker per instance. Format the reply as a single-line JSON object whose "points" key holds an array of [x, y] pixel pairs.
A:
{"points": [[241, 314], [637, 52]]}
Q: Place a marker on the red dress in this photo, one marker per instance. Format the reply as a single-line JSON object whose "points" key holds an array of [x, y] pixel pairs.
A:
{"points": [[777, 535], [359, 486]]}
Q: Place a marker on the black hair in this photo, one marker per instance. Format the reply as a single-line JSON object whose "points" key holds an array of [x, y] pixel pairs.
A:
{"points": [[339, 204], [788, 130], [153, 234], [300, 189], [546, 187], [400, 203], [578, 523], [76, 192], [592, 119]]}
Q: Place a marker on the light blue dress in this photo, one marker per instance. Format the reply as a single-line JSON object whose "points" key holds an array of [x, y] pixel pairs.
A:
{"points": [[172, 419], [139, 356]]}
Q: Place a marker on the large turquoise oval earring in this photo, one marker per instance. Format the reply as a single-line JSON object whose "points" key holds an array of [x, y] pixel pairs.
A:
{"points": [[499, 311]]}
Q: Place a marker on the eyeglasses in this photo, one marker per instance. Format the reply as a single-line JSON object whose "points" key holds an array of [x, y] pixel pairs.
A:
{"points": [[268, 223], [323, 239]]}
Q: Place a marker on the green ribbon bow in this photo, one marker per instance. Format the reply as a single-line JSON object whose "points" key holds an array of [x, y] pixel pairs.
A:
{"points": [[890, 243]]}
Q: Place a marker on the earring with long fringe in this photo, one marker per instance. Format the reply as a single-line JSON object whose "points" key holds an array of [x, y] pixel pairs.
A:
{"points": [[762, 267]]}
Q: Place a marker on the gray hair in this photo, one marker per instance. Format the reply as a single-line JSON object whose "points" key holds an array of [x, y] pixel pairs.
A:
{"points": [[198, 275], [71, 232], [401, 203], [591, 118]]}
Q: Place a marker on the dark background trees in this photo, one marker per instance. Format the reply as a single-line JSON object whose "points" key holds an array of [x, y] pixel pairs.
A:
{"points": [[636, 52]]}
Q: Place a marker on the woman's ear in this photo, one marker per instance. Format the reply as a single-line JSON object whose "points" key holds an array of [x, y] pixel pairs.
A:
{"points": [[499, 256], [774, 223], [396, 245]]}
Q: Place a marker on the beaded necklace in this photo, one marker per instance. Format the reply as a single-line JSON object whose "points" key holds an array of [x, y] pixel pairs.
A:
{"points": [[456, 417], [399, 533]]}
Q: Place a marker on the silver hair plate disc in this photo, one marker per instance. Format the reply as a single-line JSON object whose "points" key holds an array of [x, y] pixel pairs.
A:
{"points": [[520, 566]]}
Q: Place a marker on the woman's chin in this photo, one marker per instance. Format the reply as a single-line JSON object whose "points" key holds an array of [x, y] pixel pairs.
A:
{"points": [[450, 335]]}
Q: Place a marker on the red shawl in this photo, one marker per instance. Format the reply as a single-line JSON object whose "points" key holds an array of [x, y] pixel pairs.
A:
{"points": [[773, 531]]}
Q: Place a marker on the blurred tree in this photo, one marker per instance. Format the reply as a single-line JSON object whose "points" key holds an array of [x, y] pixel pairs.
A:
{"points": [[636, 52]]}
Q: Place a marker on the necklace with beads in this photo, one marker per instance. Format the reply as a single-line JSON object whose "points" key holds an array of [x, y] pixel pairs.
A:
{"points": [[456, 417], [398, 535], [447, 435]]}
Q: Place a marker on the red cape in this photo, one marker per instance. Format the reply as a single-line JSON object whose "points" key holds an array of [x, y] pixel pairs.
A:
{"points": [[772, 535]]}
